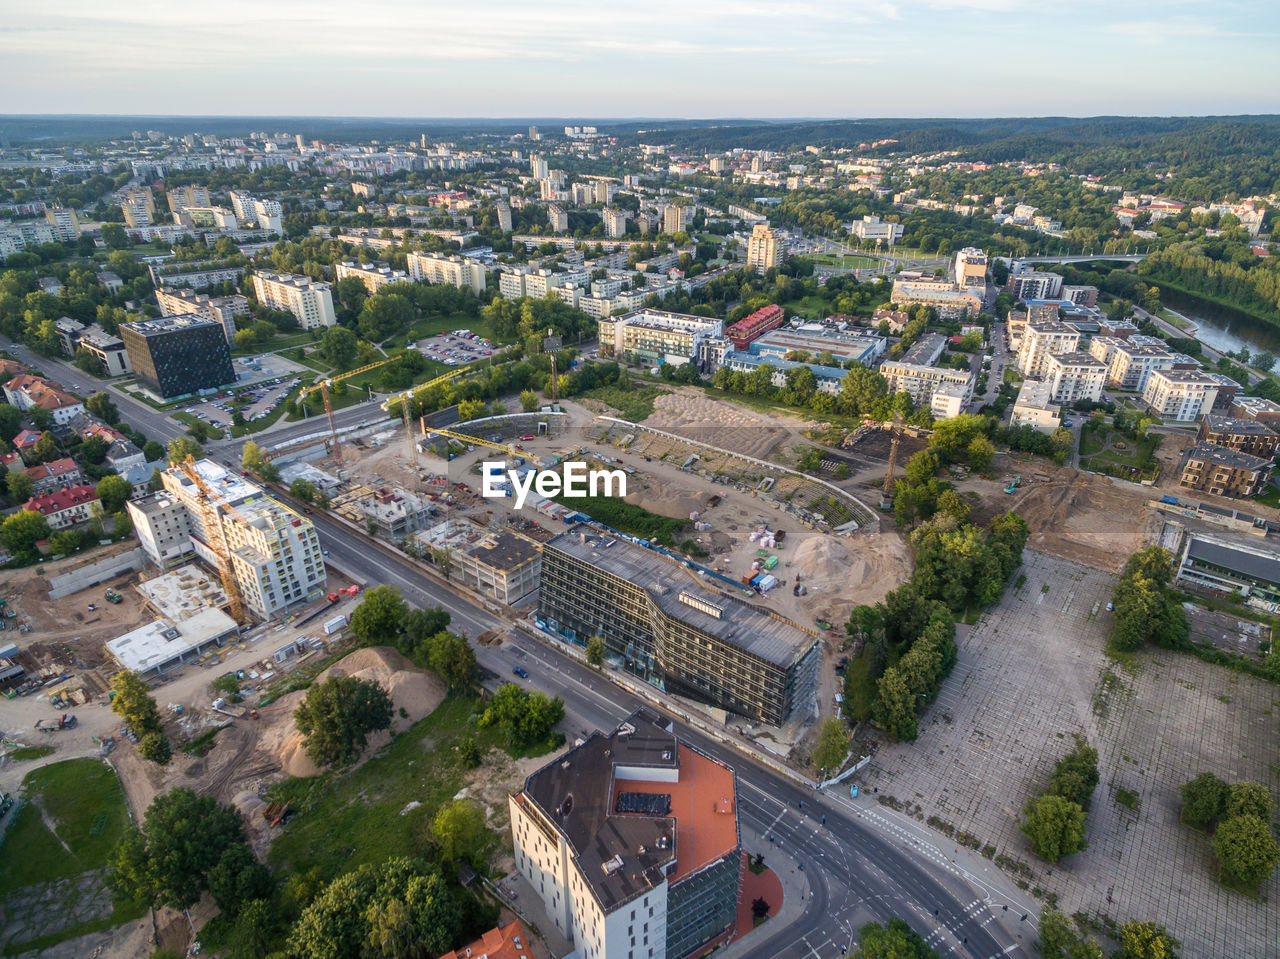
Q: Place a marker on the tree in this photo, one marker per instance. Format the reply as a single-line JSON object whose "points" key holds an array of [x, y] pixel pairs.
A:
{"points": [[1076, 775], [595, 651], [94, 450], [398, 908], [1146, 940], [339, 347], [384, 314], [980, 452], [759, 908], [238, 879], [1060, 938], [114, 492], [1054, 825], [115, 237], [22, 530], [894, 940], [422, 624], [1204, 799], [155, 747], [134, 703], [255, 929], [183, 837], [180, 447], [337, 716], [529, 401], [20, 486], [471, 409], [89, 362], [10, 421], [1246, 849], [895, 710], [199, 431], [380, 617], [451, 657], [303, 489], [833, 745], [1249, 799], [255, 461], [46, 448], [103, 407], [459, 830], [526, 717], [152, 451], [1264, 361]]}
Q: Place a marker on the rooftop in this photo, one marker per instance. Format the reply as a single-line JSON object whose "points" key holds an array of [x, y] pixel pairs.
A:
{"points": [[1252, 562], [625, 854], [156, 643], [505, 942], [62, 499], [1225, 456], [183, 593], [170, 324], [1234, 425], [754, 629]]}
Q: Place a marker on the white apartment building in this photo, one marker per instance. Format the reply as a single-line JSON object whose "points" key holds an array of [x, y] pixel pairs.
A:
{"points": [[503, 209], [605, 191], [874, 228], [922, 381], [460, 271], [16, 237], [1181, 395], [1132, 365], [1035, 407], [557, 218], [108, 349], [309, 300], [163, 526], [971, 268], [1034, 286], [270, 215], [1073, 377], [1042, 338], [615, 222], [374, 276], [218, 309], [674, 218], [949, 400], [65, 223], [656, 335], [764, 248]]}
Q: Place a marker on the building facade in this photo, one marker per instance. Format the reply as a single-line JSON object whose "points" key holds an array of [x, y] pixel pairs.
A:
{"points": [[1181, 395], [1074, 378], [374, 276], [178, 355], [310, 301], [1243, 436], [459, 271], [222, 310], [1042, 339], [1224, 472], [765, 248]]}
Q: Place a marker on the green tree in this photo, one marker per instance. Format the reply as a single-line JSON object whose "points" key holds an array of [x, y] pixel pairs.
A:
{"points": [[255, 929], [134, 703], [22, 530], [384, 314], [103, 407], [153, 451], [1146, 940], [895, 709], [1246, 849], [451, 657], [459, 831], [94, 450], [10, 421], [1076, 775], [114, 492], [1061, 938], [337, 716], [894, 940], [238, 879], [471, 409], [1054, 825], [595, 651], [89, 362], [338, 347], [253, 460], [420, 625], [380, 617], [1249, 799], [1204, 799], [529, 401], [155, 747], [46, 448], [304, 490], [20, 487], [1264, 361], [180, 447], [980, 452], [833, 745], [525, 717]]}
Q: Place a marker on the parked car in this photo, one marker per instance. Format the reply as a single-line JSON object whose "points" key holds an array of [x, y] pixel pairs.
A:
{"points": [[520, 671]]}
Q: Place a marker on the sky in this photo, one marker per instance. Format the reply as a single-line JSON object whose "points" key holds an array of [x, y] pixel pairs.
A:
{"points": [[598, 59]]}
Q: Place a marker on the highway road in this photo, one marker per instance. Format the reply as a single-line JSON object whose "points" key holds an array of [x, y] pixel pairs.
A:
{"points": [[856, 868]]}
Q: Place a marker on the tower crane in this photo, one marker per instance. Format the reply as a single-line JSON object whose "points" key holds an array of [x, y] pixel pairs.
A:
{"points": [[507, 448], [895, 431]]}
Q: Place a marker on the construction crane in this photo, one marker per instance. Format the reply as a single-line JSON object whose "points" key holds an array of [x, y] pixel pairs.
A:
{"points": [[895, 430], [555, 382], [507, 448], [413, 447], [217, 535]]}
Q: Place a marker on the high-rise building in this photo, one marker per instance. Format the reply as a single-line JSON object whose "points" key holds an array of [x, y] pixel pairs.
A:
{"points": [[187, 196], [675, 631], [374, 276], [460, 271], [631, 842], [764, 248], [309, 300], [138, 206], [220, 309], [1182, 395], [557, 218], [178, 355], [673, 218], [533, 134], [1041, 339], [65, 223], [538, 167], [503, 209], [615, 222], [270, 215], [971, 268], [605, 191], [717, 164]]}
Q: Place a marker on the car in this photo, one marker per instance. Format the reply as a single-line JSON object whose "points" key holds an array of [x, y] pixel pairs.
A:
{"points": [[520, 671], [525, 437], [1111, 607]]}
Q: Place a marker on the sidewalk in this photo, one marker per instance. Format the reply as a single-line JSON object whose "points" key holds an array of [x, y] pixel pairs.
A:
{"points": [[795, 889]]}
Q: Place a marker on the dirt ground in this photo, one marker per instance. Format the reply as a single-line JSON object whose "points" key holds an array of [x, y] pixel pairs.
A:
{"points": [[690, 412]]}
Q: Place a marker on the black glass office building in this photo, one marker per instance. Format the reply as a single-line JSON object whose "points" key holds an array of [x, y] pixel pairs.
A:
{"points": [[178, 355]]}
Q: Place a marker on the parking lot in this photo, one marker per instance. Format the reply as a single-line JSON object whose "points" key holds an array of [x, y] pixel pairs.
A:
{"points": [[455, 349], [1031, 675], [262, 398]]}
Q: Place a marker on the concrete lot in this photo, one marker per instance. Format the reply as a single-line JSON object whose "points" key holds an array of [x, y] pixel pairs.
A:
{"points": [[453, 350], [1031, 675], [270, 393]]}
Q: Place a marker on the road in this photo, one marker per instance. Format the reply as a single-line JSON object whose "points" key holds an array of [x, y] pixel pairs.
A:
{"points": [[855, 871]]}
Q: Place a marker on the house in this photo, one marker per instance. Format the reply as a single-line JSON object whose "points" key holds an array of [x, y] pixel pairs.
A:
{"points": [[24, 441], [25, 392], [505, 942], [64, 507], [122, 456], [54, 475]]}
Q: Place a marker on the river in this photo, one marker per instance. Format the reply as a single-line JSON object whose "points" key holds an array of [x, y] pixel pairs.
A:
{"points": [[1221, 327]]}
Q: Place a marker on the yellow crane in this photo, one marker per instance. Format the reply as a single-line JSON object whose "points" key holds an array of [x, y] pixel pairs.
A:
{"points": [[217, 536], [507, 448]]}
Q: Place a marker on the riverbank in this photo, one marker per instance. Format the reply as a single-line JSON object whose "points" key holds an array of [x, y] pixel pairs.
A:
{"points": [[1227, 326]]}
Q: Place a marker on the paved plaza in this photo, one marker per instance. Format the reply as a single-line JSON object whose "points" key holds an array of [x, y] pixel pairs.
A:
{"points": [[1031, 675]]}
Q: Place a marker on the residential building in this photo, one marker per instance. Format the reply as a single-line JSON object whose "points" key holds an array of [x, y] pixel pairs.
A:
{"points": [[1035, 407], [16, 237], [503, 565], [1224, 472], [109, 350], [605, 191], [1132, 364], [65, 223], [1227, 390], [138, 206], [1257, 408], [557, 218], [615, 222], [920, 381], [163, 527], [765, 248], [897, 319], [463, 272], [761, 321], [674, 218], [374, 276], [509, 941], [503, 209], [945, 297], [1241, 435], [949, 400], [122, 456], [270, 215], [1181, 395], [717, 164], [818, 338], [1042, 339], [178, 355], [630, 841], [971, 268], [1033, 285], [1074, 377], [1081, 295], [195, 275], [25, 391], [829, 379], [656, 336], [54, 475], [222, 310], [309, 300], [207, 218], [183, 197], [1232, 569], [670, 630], [65, 507], [873, 228]]}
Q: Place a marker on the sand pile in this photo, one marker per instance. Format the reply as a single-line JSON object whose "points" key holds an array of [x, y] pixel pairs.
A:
{"points": [[677, 504], [411, 689], [717, 423], [824, 564]]}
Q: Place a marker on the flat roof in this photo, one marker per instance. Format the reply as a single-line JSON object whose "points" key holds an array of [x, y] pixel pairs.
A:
{"points": [[751, 628], [1228, 457], [579, 794], [183, 593], [168, 324], [1250, 563], [1232, 424], [157, 643], [227, 487]]}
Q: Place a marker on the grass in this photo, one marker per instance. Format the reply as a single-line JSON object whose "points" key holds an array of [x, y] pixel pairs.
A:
{"points": [[201, 745], [627, 518], [31, 752], [1270, 498], [346, 819], [435, 325], [852, 261], [1097, 454], [860, 690], [635, 404], [298, 355], [1127, 799], [191, 420]]}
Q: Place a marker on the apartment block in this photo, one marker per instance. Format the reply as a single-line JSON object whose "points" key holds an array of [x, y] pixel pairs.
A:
{"points": [[374, 276], [309, 300], [1224, 472], [921, 381], [222, 310], [163, 527], [1033, 285], [1074, 377], [1080, 295], [109, 350], [1241, 435], [1257, 408], [1181, 395], [674, 218], [631, 843], [656, 336], [615, 222], [971, 268], [950, 301], [667, 628], [138, 207], [1132, 365], [181, 198], [765, 248], [1035, 407], [749, 327], [557, 218], [1042, 339], [65, 223], [503, 209], [462, 272]]}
